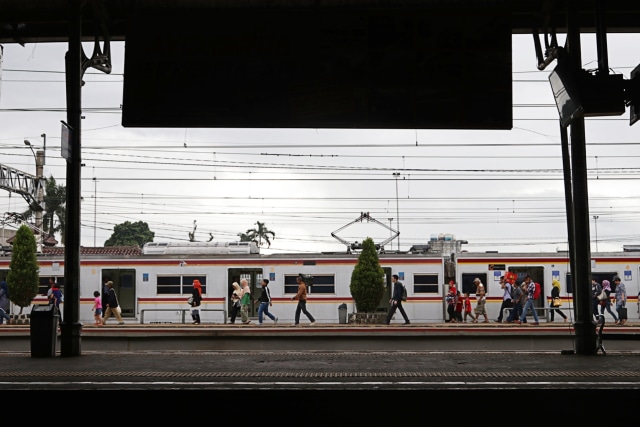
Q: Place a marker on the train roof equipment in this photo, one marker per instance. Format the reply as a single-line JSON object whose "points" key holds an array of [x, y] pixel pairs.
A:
{"points": [[200, 248], [357, 246]]}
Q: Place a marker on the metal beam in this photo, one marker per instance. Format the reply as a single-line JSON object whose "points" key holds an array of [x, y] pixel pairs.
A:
{"points": [[27, 185]]}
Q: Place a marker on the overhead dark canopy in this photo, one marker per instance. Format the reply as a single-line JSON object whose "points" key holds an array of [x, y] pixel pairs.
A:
{"points": [[322, 64]]}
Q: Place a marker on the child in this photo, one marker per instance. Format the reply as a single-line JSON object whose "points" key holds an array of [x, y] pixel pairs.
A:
{"points": [[467, 308], [97, 308], [459, 307]]}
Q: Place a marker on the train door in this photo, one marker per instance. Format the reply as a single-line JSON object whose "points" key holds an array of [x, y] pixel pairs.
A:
{"points": [[388, 291], [254, 277], [537, 275], [124, 283]]}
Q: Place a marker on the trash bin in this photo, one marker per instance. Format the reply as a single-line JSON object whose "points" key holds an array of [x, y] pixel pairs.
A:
{"points": [[43, 326], [342, 313]]}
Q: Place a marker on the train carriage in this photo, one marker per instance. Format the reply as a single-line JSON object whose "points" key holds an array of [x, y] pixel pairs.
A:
{"points": [[153, 286]]}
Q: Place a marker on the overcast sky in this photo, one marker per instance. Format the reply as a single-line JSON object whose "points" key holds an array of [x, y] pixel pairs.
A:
{"points": [[498, 190]]}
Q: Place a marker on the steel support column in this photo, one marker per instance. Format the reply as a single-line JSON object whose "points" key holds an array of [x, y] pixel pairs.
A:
{"points": [[586, 342], [71, 327]]}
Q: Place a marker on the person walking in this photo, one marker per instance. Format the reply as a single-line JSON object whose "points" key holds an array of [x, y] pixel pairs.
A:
{"points": [[531, 289], [468, 311], [112, 308], [97, 308], [196, 294], [55, 298], [596, 289], [105, 295], [52, 283], [4, 303], [396, 301], [265, 303], [555, 294], [459, 307], [621, 300], [301, 296], [518, 303], [451, 300], [481, 300], [606, 303], [506, 298], [245, 300], [236, 295]]}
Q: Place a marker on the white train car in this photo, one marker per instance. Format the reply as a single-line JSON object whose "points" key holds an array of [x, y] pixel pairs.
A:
{"points": [[154, 287], [543, 268]]}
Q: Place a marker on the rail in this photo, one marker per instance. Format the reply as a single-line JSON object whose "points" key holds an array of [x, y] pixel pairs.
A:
{"points": [[183, 310]]}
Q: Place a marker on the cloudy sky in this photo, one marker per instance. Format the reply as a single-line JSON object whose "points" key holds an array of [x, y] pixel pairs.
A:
{"points": [[498, 190]]}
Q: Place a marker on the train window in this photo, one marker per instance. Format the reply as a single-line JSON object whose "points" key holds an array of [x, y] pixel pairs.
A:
{"points": [[178, 285], [425, 283], [467, 282], [599, 276], [187, 284], [322, 284], [43, 284]]}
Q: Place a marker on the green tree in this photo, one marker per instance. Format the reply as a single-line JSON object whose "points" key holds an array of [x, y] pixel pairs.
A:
{"points": [[260, 235], [130, 234], [23, 277], [367, 279]]}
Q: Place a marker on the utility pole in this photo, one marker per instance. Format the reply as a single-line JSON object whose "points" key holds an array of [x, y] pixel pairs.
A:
{"points": [[95, 206], [40, 197], [39, 159], [396, 175], [44, 149], [595, 220]]}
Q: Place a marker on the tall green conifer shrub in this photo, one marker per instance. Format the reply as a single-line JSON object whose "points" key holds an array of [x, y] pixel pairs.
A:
{"points": [[24, 274], [367, 279]]}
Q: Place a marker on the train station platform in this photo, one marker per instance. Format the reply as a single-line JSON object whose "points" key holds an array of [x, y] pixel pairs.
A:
{"points": [[131, 336], [328, 357]]}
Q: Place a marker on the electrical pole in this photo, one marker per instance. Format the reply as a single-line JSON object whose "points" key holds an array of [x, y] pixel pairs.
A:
{"points": [[40, 197], [595, 220], [396, 176]]}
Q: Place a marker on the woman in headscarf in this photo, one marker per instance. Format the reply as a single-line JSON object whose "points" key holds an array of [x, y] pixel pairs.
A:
{"points": [[606, 287], [235, 301], [197, 298], [555, 295]]}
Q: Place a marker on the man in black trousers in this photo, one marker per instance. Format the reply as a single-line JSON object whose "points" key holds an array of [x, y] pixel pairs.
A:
{"points": [[396, 300]]}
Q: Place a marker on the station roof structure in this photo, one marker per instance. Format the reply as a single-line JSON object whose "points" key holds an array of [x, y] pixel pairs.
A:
{"points": [[388, 64]]}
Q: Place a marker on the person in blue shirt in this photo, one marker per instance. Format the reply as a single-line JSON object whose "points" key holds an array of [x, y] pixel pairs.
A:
{"points": [[528, 305], [265, 303], [55, 298]]}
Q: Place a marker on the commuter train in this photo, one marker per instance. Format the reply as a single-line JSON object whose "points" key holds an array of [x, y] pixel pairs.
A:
{"points": [[154, 283]]}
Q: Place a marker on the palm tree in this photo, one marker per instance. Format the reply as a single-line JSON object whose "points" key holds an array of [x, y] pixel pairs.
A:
{"points": [[55, 199], [260, 235]]}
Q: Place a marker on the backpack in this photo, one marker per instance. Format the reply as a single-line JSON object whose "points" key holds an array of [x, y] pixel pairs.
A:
{"points": [[536, 293], [404, 293]]}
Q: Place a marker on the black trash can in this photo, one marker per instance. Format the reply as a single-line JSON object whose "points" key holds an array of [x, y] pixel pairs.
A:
{"points": [[43, 326], [342, 313]]}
